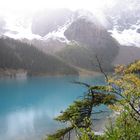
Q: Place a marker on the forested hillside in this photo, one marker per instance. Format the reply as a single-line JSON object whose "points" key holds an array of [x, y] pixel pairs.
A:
{"points": [[85, 58], [17, 55]]}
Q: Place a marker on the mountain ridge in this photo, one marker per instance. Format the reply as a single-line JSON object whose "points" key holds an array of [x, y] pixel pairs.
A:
{"points": [[74, 39]]}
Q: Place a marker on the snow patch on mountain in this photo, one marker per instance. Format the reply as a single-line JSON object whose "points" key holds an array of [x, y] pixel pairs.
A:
{"points": [[19, 27], [128, 37], [21, 34], [125, 20], [59, 33]]}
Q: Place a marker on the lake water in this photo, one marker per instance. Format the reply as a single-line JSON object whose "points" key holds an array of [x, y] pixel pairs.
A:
{"points": [[28, 106]]}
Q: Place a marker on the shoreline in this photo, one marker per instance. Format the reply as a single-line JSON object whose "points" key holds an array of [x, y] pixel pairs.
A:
{"points": [[20, 73]]}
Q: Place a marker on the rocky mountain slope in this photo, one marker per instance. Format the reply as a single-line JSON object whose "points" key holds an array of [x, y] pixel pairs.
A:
{"points": [[127, 54], [87, 38]]}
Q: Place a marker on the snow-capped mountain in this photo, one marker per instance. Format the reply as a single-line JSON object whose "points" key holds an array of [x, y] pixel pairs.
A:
{"points": [[122, 21], [125, 20], [52, 31], [19, 26]]}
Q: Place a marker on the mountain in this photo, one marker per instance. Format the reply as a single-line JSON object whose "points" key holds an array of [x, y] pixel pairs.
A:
{"points": [[124, 20], [90, 39], [17, 55], [127, 54], [49, 20], [78, 56], [75, 38], [124, 14], [48, 46], [94, 41]]}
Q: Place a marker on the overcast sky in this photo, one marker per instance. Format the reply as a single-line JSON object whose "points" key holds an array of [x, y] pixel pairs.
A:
{"points": [[34, 5]]}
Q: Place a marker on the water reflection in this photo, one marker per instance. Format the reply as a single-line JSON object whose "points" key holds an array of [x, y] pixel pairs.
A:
{"points": [[27, 107], [26, 124]]}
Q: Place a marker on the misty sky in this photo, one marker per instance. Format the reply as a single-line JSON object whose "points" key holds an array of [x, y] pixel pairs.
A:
{"points": [[34, 5]]}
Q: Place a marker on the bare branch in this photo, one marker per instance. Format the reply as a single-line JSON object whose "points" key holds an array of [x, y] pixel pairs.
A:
{"points": [[81, 83], [101, 69]]}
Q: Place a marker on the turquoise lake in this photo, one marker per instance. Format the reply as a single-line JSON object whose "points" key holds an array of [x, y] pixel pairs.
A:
{"points": [[28, 106]]}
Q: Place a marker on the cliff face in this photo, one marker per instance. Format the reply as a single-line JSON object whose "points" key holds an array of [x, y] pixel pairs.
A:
{"points": [[90, 34], [94, 38], [86, 32]]}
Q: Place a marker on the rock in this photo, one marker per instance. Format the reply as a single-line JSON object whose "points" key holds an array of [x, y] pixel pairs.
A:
{"points": [[138, 30]]}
